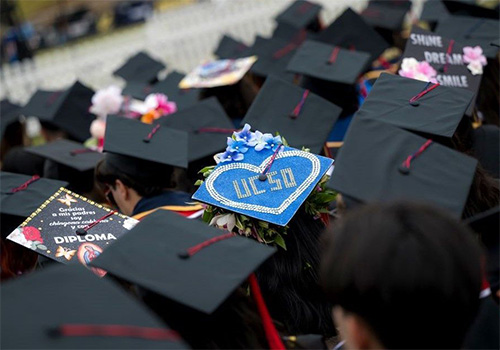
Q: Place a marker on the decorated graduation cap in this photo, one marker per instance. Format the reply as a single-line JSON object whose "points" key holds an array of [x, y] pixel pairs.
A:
{"points": [[419, 106], [146, 144], [67, 110], [379, 162], [350, 31], [259, 177], [451, 63], [330, 71], [77, 310], [299, 115], [206, 123], [140, 68], [228, 47], [201, 268], [301, 14], [471, 31], [9, 114], [21, 195]]}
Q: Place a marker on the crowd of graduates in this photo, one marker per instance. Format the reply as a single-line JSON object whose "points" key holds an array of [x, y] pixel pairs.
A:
{"points": [[341, 192]]}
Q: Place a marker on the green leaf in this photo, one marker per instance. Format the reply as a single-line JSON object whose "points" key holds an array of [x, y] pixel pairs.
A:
{"points": [[280, 241], [42, 247], [207, 216], [205, 169], [198, 182]]}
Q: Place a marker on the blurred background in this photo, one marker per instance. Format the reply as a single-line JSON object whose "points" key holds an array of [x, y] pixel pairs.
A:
{"points": [[51, 43]]}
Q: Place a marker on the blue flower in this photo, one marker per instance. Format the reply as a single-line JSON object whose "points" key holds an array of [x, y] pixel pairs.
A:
{"points": [[272, 142], [229, 156], [246, 135], [238, 146]]}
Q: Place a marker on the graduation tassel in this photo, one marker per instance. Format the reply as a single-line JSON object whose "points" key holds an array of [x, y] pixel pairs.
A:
{"points": [[263, 175], [404, 168], [80, 151], [150, 135], [299, 38], [25, 185], [83, 231], [272, 335], [448, 58], [215, 130], [298, 108], [414, 100], [86, 330], [195, 249], [334, 54]]}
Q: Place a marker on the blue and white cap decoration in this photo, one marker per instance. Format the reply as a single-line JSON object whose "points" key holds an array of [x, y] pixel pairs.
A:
{"points": [[259, 177]]}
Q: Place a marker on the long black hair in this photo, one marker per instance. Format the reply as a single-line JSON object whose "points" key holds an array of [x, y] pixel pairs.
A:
{"points": [[289, 280]]}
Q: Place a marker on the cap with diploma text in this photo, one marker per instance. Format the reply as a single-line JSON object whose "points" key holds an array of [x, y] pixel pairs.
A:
{"points": [[301, 14], [301, 117], [9, 114], [67, 110], [379, 162], [21, 195], [183, 260], [351, 32], [77, 310], [415, 105], [228, 47], [141, 68], [144, 142], [471, 31], [206, 123]]}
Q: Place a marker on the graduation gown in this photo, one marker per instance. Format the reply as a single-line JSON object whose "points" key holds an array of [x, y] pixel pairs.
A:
{"points": [[175, 201]]}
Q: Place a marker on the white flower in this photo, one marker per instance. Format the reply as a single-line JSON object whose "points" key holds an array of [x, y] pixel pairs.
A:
{"points": [[260, 140], [409, 64], [106, 101], [18, 237], [226, 221], [475, 67], [98, 128]]}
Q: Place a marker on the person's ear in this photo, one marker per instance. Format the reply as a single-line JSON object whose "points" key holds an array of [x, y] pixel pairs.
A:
{"points": [[122, 190]]}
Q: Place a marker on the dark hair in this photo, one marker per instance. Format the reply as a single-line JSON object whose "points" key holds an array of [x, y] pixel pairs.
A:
{"points": [[151, 181], [488, 96], [235, 324], [410, 271], [289, 280]]}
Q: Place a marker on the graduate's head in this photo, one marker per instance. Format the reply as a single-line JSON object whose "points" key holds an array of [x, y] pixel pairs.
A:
{"points": [[402, 275]]}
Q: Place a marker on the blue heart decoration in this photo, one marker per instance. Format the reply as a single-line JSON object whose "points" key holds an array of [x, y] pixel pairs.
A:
{"points": [[292, 176]]}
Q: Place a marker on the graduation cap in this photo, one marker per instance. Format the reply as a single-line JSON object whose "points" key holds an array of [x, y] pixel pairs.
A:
{"points": [[421, 107], [151, 143], [67, 110], [351, 32], [300, 116], [469, 8], [398, 4], [140, 68], [387, 20], [206, 123], [471, 31], [486, 139], [301, 14], [229, 47], [71, 308], [259, 177], [330, 71], [433, 11], [446, 57], [21, 195], [379, 162], [9, 114], [200, 265]]}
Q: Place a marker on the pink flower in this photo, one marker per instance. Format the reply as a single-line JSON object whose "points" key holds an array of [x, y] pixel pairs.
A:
{"points": [[98, 128], [426, 69], [474, 54], [165, 107], [413, 69], [106, 101]]}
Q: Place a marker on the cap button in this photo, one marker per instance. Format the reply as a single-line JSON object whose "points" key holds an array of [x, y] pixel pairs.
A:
{"points": [[441, 69], [184, 255], [262, 177], [81, 232], [146, 140], [403, 170], [414, 103]]}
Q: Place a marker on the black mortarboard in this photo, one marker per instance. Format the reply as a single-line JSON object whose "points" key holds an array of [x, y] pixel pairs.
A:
{"points": [[350, 31], [69, 153], [330, 71], [301, 14], [186, 263], [152, 143], [379, 162], [140, 68], [9, 114], [21, 195], [288, 32], [398, 4], [386, 20], [67, 110], [433, 11], [302, 118], [229, 47], [471, 31], [206, 123], [486, 139], [436, 112], [67, 307], [469, 8], [273, 56], [446, 57]]}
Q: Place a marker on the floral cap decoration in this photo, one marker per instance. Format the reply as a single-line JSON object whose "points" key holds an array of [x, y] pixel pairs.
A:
{"points": [[411, 68], [259, 183], [475, 59]]}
